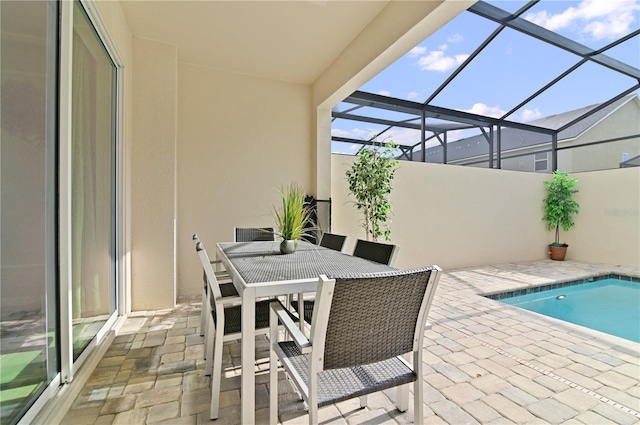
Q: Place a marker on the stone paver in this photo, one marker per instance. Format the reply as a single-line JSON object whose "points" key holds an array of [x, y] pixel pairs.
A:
{"points": [[552, 411], [507, 408], [485, 362]]}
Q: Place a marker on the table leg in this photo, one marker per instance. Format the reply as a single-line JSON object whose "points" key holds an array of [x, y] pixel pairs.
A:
{"points": [[248, 389], [301, 310]]}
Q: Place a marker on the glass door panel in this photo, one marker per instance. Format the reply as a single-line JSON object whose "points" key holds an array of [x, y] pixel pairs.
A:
{"points": [[93, 183], [29, 358]]}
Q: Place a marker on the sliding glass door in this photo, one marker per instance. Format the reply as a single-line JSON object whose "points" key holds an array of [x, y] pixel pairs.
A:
{"points": [[29, 355], [93, 183], [57, 199]]}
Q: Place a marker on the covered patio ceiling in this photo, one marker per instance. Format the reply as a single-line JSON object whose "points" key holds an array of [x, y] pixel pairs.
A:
{"points": [[282, 40], [438, 115]]}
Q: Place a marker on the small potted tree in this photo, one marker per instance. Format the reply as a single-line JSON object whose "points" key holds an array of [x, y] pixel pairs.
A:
{"points": [[370, 181], [559, 209], [293, 219]]}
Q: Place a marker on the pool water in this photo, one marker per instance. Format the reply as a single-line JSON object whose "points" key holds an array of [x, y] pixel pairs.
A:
{"points": [[608, 305]]}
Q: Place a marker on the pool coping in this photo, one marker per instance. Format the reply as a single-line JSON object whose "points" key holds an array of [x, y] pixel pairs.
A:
{"points": [[500, 295]]}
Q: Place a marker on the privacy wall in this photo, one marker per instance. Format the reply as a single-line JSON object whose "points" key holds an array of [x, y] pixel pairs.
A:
{"points": [[607, 228], [462, 216]]}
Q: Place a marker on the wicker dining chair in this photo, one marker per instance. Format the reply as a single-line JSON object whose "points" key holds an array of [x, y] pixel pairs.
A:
{"points": [[361, 329], [253, 234], [226, 288], [333, 241], [224, 324], [382, 253], [374, 251]]}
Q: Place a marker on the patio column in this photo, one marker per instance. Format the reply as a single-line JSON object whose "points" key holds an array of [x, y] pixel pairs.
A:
{"points": [[153, 175]]}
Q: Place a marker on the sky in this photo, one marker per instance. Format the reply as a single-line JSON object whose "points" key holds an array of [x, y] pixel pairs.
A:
{"points": [[510, 69]]}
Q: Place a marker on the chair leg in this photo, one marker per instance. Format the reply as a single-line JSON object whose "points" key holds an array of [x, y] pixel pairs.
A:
{"points": [[216, 375], [418, 410], [273, 369], [209, 340], [402, 392], [402, 397], [203, 314], [313, 396], [418, 389]]}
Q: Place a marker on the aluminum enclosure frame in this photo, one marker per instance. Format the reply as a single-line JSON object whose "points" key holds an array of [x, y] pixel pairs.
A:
{"points": [[489, 127]]}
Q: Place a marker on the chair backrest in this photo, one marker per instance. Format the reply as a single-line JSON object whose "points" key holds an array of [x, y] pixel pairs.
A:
{"points": [[382, 253], [253, 234], [214, 286], [333, 241], [372, 317], [196, 241]]}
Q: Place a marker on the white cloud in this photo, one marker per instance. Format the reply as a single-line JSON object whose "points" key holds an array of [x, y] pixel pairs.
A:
{"points": [[412, 95], [489, 111], [443, 47], [417, 51], [455, 38], [354, 133], [436, 60], [384, 92], [530, 115], [597, 19], [401, 136]]}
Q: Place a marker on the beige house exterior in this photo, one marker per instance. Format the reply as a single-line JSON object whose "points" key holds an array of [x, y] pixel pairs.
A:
{"points": [[610, 138]]}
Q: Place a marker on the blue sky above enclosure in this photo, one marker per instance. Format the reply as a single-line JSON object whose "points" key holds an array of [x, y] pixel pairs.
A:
{"points": [[511, 68]]}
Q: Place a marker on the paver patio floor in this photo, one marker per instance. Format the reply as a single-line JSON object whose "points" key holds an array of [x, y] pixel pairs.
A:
{"points": [[485, 362]]}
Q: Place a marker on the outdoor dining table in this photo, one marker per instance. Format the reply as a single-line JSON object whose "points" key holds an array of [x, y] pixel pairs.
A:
{"points": [[258, 270]]}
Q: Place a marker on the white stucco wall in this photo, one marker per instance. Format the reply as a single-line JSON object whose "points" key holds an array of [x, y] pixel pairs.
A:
{"points": [[607, 228], [240, 138]]}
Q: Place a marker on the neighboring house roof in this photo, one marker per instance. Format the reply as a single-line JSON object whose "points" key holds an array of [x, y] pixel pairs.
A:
{"points": [[512, 138], [633, 162]]}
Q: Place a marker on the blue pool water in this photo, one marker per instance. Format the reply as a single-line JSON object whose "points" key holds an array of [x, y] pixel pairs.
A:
{"points": [[608, 305]]}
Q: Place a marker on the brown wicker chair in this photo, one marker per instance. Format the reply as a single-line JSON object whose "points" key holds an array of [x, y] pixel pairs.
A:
{"points": [[333, 241], [361, 328], [253, 234], [373, 251]]}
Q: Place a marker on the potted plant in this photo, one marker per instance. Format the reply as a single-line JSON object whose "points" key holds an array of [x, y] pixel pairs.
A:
{"points": [[559, 209], [370, 181], [292, 219]]}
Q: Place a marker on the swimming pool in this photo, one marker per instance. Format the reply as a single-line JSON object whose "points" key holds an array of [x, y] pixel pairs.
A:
{"points": [[608, 304]]}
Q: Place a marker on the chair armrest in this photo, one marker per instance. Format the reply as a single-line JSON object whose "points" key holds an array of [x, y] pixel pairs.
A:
{"points": [[296, 334]]}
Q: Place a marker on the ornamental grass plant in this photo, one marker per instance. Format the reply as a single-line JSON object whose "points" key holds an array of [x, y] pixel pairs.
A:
{"points": [[293, 218]]}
